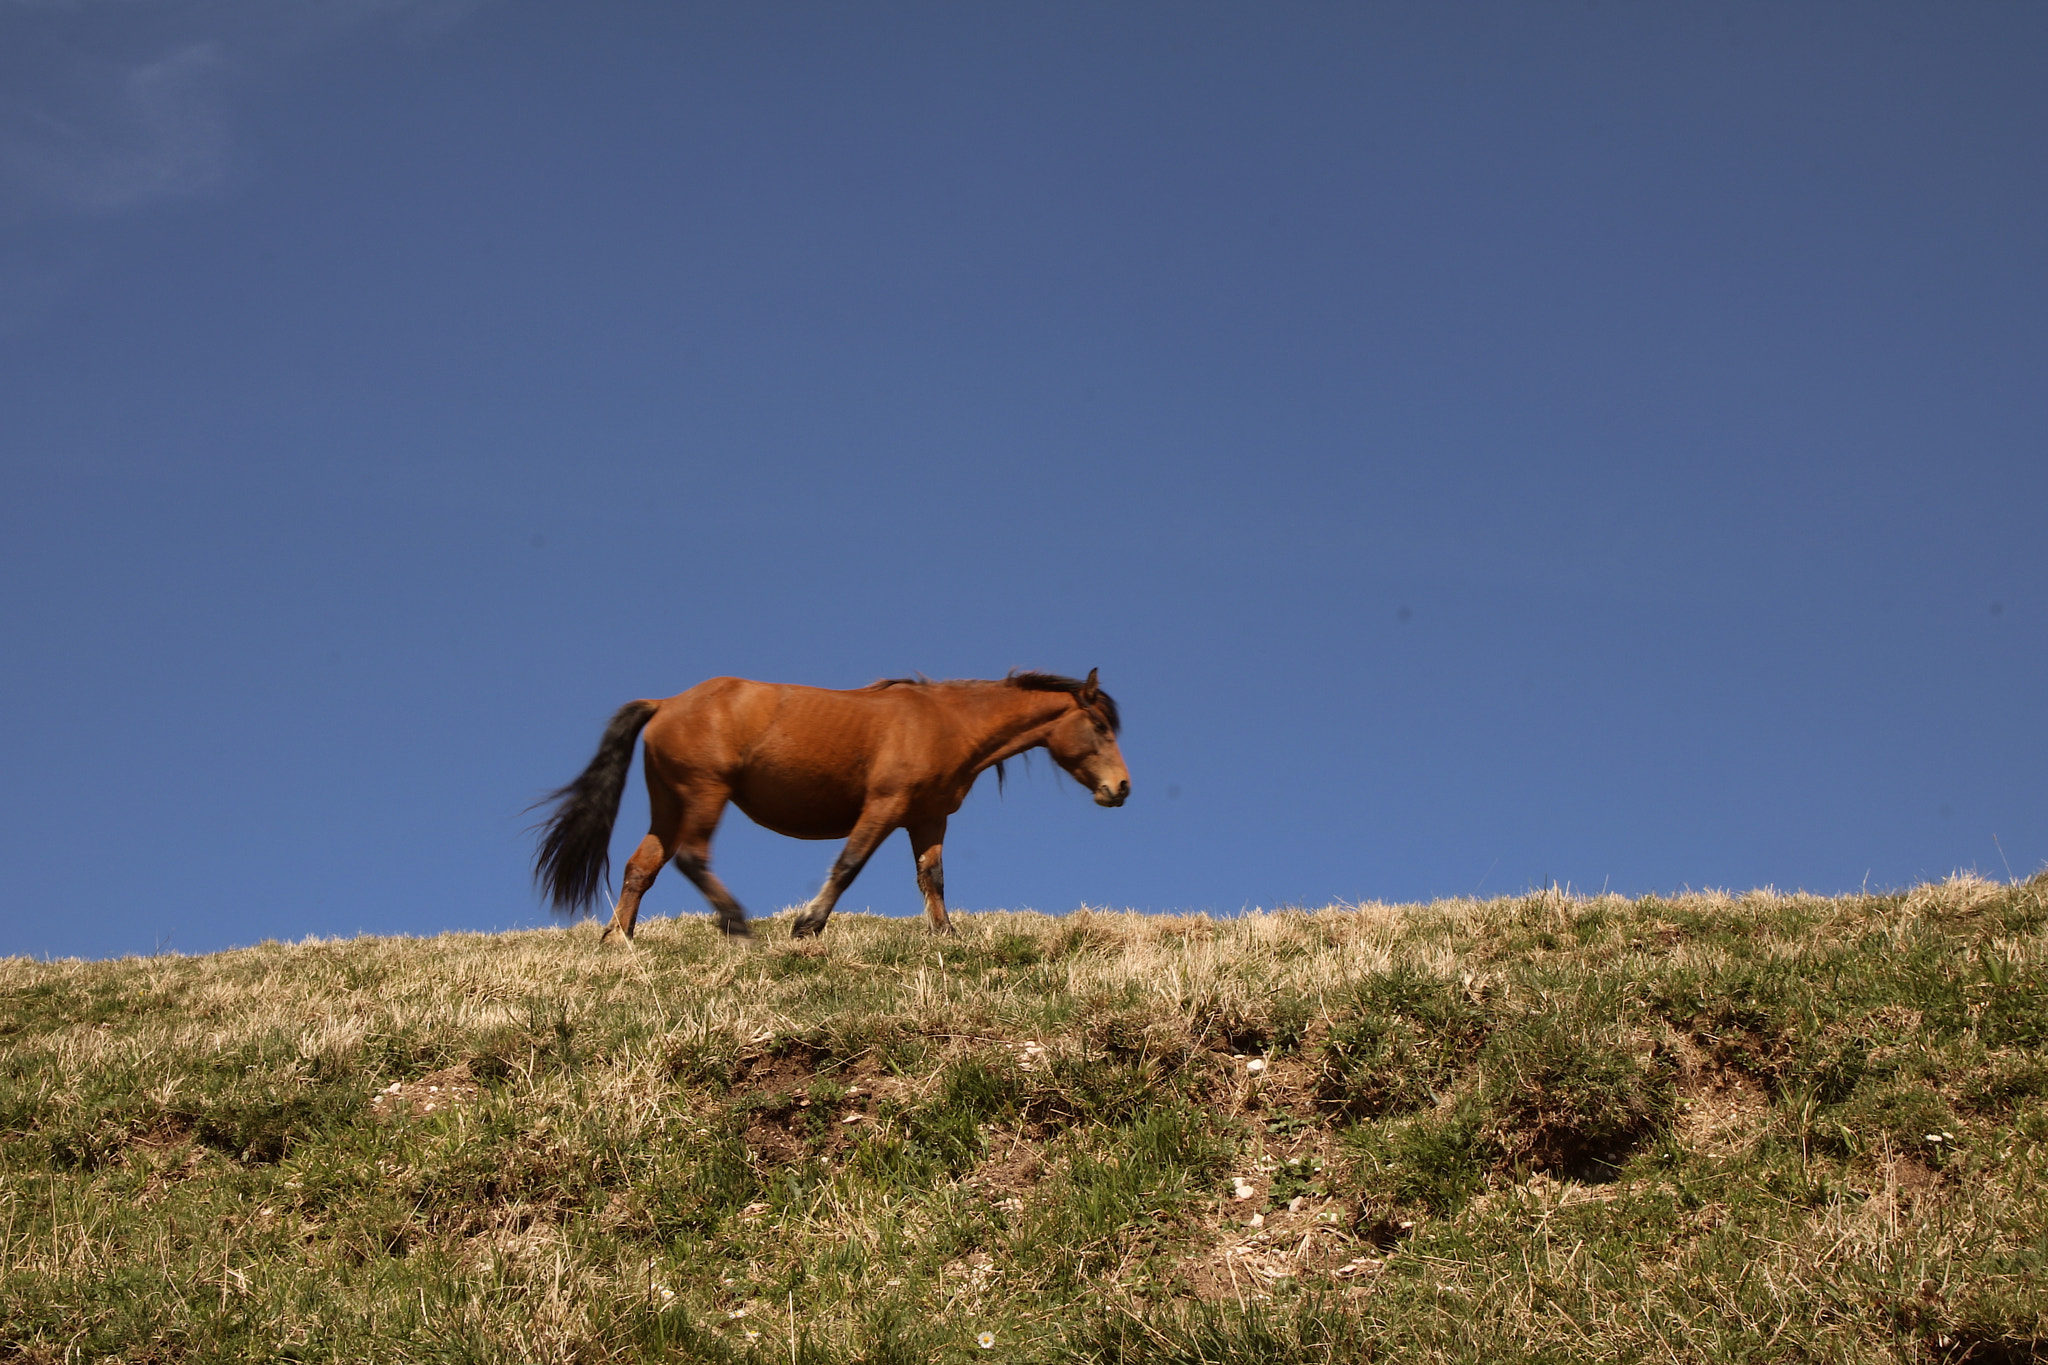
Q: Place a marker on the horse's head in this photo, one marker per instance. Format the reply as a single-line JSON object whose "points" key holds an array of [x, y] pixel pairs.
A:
{"points": [[1084, 743]]}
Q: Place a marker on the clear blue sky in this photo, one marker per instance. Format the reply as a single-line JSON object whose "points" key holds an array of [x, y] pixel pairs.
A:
{"points": [[1481, 446]]}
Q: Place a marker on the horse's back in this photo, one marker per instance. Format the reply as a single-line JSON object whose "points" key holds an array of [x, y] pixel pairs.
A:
{"points": [[722, 722]]}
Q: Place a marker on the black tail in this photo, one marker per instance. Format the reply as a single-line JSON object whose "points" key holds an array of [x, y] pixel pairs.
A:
{"points": [[575, 856]]}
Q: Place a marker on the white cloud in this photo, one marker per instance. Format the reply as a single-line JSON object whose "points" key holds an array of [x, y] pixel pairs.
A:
{"points": [[110, 107], [152, 130]]}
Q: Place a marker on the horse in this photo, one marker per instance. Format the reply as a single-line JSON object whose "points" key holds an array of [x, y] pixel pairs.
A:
{"points": [[815, 763]]}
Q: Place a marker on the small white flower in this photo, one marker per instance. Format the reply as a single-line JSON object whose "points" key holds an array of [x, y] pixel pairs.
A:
{"points": [[986, 1340], [737, 1313]]}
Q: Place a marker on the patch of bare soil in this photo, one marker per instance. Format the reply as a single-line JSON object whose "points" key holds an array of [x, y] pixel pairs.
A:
{"points": [[786, 1068], [1010, 1171], [434, 1093], [1311, 1242], [1721, 1109], [170, 1173], [793, 1112], [1277, 1088], [1907, 1181], [1276, 1222]]}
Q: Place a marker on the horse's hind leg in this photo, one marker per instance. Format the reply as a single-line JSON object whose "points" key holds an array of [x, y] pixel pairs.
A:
{"points": [[641, 870], [693, 859], [645, 864], [732, 919]]}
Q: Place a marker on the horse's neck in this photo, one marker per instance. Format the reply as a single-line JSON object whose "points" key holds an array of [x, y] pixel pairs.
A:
{"points": [[1010, 724]]}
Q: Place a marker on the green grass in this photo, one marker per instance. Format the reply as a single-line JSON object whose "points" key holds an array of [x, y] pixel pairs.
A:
{"points": [[1710, 1128]]}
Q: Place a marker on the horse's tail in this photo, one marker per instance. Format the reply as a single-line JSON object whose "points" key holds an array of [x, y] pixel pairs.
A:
{"points": [[575, 848]]}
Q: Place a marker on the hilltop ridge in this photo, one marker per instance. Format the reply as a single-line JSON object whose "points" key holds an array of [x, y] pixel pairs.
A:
{"points": [[1705, 1127]]}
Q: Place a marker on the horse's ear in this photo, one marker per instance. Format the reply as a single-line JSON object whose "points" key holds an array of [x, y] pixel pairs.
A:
{"points": [[1088, 689]]}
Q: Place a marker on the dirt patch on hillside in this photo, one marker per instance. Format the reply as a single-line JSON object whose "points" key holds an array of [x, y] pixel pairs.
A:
{"points": [[166, 1173], [796, 1103], [434, 1093], [1280, 1219], [789, 1067], [1010, 1171], [1721, 1108], [1309, 1244], [1907, 1181]]}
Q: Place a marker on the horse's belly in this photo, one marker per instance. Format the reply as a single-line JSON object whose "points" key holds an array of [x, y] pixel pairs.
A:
{"points": [[809, 815]]}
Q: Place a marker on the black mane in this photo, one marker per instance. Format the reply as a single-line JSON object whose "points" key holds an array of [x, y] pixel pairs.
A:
{"points": [[1032, 681], [1029, 680]]}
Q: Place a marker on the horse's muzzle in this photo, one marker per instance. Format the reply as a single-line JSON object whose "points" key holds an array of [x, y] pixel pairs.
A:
{"points": [[1106, 795]]}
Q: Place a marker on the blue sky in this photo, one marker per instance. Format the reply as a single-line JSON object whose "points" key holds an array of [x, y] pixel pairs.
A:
{"points": [[1481, 446]]}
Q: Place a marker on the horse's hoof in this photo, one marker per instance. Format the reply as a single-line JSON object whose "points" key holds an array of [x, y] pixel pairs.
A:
{"points": [[805, 929], [739, 930]]}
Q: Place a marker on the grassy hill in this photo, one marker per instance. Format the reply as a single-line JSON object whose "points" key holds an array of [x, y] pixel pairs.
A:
{"points": [[1710, 1128]]}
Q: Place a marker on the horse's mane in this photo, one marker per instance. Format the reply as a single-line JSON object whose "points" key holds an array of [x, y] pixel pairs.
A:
{"points": [[1033, 681], [1026, 679]]}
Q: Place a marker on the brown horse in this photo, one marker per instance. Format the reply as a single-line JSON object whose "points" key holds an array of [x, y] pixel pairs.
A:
{"points": [[816, 764]]}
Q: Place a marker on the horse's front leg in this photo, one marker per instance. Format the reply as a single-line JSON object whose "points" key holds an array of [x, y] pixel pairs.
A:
{"points": [[867, 836], [927, 842]]}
